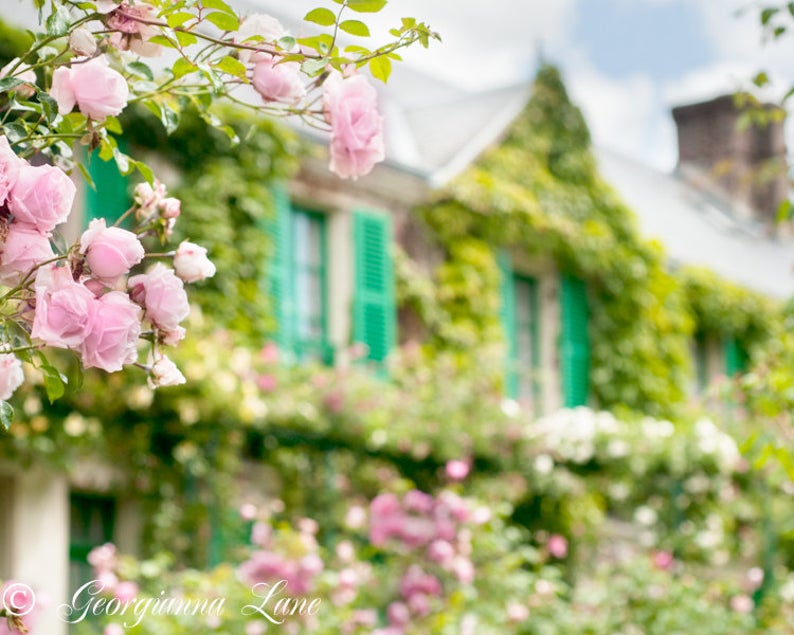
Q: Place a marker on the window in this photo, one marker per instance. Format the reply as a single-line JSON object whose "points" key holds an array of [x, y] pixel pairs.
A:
{"points": [[91, 523], [310, 285]]}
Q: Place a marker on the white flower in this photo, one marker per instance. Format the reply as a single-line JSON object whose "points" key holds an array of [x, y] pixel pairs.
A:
{"points": [[82, 42], [165, 373], [645, 516], [11, 375], [191, 263], [543, 464]]}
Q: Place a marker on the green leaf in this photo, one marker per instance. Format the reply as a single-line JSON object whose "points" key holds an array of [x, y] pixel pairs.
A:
{"points": [[380, 67], [287, 42], [162, 41], [354, 48], [145, 170], [54, 380], [321, 16], [15, 131], [220, 5], [86, 175], [183, 67], [784, 211], [231, 66], [231, 133], [314, 67], [761, 79], [179, 18], [6, 415], [791, 8], [366, 6], [58, 22], [767, 14], [141, 69], [224, 21], [184, 38], [355, 27], [9, 83]]}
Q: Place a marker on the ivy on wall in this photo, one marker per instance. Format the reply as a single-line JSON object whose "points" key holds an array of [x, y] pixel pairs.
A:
{"points": [[538, 193]]}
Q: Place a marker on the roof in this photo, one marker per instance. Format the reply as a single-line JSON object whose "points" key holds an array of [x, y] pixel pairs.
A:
{"points": [[699, 228]]}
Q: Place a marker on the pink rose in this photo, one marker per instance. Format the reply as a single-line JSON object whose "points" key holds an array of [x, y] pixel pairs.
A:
{"points": [[351, 107], [165, 373], [97, 89], [42, 196], [24, 248], [110, 251], [64, 309], [148, 198], [103, 558], [278, 82], [20, 601], [163, 296], [24, 73], [112, 340], [663, 560], [557, 546], [191, 263], [9, 169], [457, 470], [399, 614], [114, 628], [11, 375], [171, 207], [130, 32], [126, 591]]}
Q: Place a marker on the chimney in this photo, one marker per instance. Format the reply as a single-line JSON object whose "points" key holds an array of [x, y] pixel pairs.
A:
{"points": [[745, 164]]}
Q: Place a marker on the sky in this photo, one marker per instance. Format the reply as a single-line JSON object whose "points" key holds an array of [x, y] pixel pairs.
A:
{"points": [[625, 62]]}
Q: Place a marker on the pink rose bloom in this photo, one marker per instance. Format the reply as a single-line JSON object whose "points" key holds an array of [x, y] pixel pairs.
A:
{"points": [[114, 628], [42, 196], [103, 558], [742, 603], [163, 296], [65, 309], [112, 340], [269, 353], [398, 614], [351, 107], [663, 560], [11, 375], [278, 82], [557, 546], [132, 34], [97, 89], [148, 198], [24, 248], [441, 552], [463, 569], [165, 373], [20, 601], [110, 251], [9, 169], [126, 591], [457, 470], [191, 263]]}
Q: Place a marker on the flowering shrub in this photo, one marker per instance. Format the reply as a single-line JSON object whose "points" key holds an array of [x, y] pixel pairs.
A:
{"points": [[69, 88]]}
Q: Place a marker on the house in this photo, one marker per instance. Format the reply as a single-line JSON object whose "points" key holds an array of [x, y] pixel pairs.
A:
{"points": [[332, 280]]}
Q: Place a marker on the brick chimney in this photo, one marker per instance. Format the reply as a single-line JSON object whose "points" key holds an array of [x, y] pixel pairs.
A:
{"points": [[747, 165]]}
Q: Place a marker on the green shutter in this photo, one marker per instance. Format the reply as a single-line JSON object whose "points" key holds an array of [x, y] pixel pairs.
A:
{"points": [[374, 308], [109, 198], [735, 357], [278, 283], [91, 523], [507, 315], [575, 344]]}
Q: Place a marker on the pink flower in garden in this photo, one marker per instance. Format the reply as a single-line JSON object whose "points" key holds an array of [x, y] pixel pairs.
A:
{"points": [[149, 198], [418, 501], [163, 296], [191, 263], [10, 164], [266, 383], [742, 603], [351, 107], [107, 581], [19, 600], [517, 612], [42, 196], [131, 31], [441, 552], [269, 353], [114, 628], [457, 470], [278, 82], [24, 249], [24, 73], [113, 336], [125, 591], [663, 560], [261, 534], [11, 375], [463, 570], [247, 511], [557, 546], [399, 614], [64, 308], [82, 42], [110, 251], [171, 207], [97, 89], [103, 558], [165, 373]]}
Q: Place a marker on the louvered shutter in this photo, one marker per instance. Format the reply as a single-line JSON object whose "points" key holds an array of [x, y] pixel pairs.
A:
{"points": [[735, 357], [575, 342], [278, 273], [507, 315], [374, 310], [109, 197]]}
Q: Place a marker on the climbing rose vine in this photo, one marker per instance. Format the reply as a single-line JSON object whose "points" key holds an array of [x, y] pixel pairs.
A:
{"points": [[107, 295]]}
